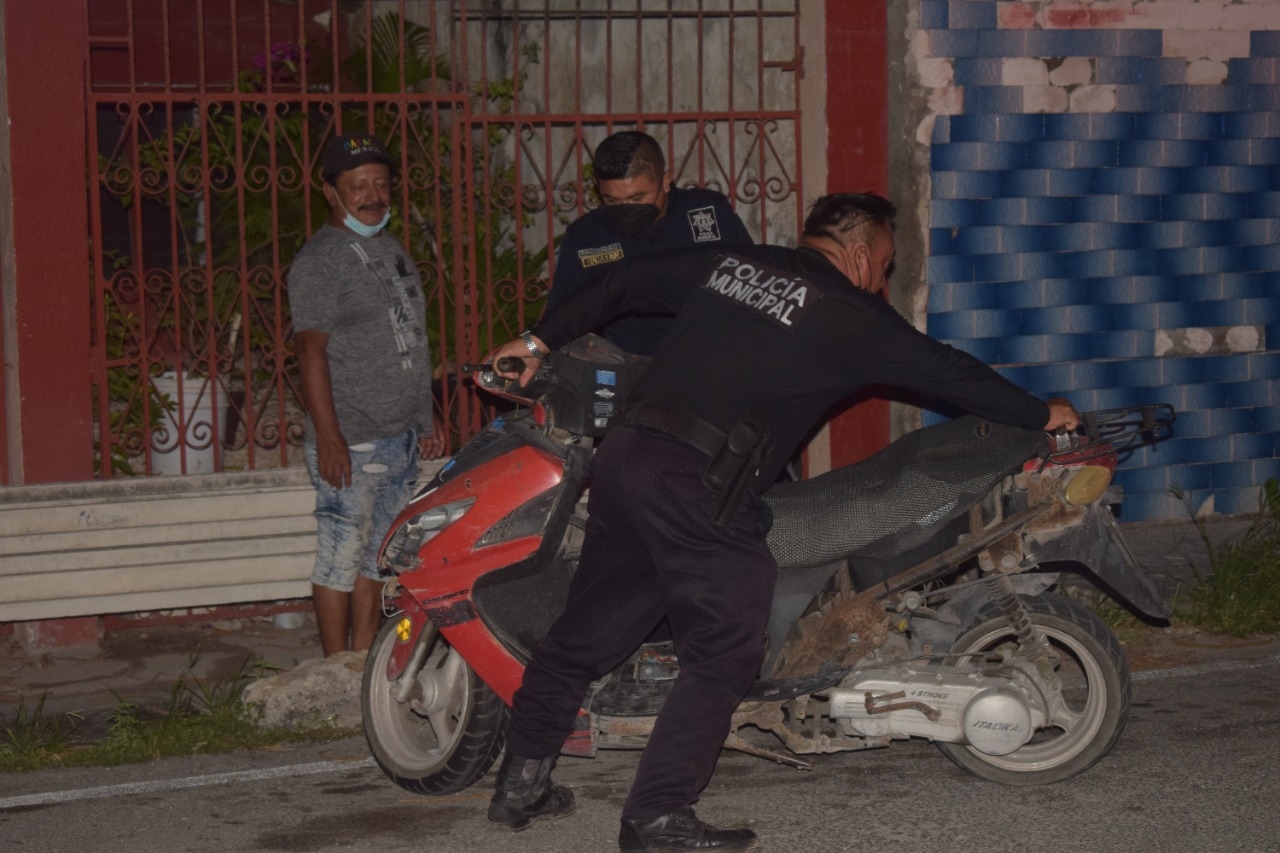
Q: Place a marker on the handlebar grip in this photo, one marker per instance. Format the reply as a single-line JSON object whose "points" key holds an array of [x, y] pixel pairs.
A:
{"points": [[510, 364]]}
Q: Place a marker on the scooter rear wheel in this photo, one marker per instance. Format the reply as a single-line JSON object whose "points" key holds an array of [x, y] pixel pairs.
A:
{"points": [[1095, 686], [446, 737]]}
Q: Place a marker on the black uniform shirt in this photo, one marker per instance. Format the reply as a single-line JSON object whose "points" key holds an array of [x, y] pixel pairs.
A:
{"points": [[782, 333], [593, 246]]}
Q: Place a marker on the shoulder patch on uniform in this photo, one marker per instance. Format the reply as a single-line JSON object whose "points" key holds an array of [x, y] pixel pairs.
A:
{"points": [[600, 255], [705, 227], [771, 293]]}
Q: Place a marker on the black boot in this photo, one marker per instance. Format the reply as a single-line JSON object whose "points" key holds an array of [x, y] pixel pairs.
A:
{"points": [[524, 792], [681, 830]]}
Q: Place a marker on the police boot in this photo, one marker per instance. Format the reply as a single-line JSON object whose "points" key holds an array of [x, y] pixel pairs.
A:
{"points": [[680, 831], [524, 793]]}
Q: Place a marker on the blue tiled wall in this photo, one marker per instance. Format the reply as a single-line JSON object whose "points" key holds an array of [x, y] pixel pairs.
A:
{"points": [[1060, 243]]}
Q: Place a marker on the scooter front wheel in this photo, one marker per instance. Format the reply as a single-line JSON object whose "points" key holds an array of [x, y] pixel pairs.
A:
{"points": [[446, 735], [1095, 688]]}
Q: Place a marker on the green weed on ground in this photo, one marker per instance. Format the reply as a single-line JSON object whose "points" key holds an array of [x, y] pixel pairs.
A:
{"points": [[1241, 595], [33, 739], [202, 717]]}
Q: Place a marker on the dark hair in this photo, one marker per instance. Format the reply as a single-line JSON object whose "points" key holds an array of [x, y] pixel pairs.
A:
{"points": [[626, 155], [849, 217]]}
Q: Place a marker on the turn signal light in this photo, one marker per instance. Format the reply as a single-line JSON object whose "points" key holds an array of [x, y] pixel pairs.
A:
{"points": [[1087, 485]]}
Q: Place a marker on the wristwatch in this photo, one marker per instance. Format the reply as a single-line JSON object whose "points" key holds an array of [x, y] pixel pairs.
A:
{"points": [[533, 348]]}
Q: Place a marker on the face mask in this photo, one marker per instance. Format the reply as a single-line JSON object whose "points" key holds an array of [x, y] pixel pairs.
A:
{"points": [[631, 219], [360, 228], [366, 230]]}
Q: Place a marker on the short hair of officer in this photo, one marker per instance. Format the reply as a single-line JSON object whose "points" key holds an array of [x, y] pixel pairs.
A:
{"points": [[628, 154]]}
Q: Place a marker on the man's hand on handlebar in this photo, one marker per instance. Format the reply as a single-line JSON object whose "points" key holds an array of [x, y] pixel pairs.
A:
{"points": [[517, 349], [1062, 415]]}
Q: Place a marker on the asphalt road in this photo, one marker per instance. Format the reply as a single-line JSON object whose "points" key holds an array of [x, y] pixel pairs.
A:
{"points": [[1196, 770]]}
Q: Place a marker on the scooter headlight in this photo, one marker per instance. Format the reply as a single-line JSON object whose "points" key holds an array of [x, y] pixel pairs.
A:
{"points": [[1087, 485], [401, 551]]}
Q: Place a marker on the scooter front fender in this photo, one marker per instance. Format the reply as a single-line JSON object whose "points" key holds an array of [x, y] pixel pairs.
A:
{"points": [[414, 619]]}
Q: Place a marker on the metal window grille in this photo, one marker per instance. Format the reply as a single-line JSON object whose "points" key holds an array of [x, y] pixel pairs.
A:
{"points": [[206, 122]]}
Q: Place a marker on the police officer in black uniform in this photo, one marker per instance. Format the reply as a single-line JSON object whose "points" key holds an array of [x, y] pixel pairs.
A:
{"points": [[642, 213], [765, 340]]}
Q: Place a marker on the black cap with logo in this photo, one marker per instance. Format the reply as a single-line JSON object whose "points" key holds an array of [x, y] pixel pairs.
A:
{"points": [[350, 151]]}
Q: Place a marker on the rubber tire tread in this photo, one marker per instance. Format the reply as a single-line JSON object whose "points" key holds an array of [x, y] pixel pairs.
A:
{"points": [[1084, 625], [478, 747]]}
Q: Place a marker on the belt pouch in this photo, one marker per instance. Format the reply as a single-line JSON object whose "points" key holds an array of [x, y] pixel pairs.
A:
{"points": [[731, 469]]}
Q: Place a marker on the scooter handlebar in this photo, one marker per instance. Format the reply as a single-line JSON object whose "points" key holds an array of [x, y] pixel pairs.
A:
{"points": [[507, 364], [486, 377], [1117, 429]]}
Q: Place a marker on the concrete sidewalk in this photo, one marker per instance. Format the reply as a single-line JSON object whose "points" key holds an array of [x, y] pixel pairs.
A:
{"points": [[142, 666]]}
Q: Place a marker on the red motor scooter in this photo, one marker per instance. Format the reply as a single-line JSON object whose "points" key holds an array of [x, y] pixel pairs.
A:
{"points": [[914, 598]]}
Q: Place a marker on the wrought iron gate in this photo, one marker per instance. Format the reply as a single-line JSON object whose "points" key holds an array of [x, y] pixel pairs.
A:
{"points": [[207, 117]]}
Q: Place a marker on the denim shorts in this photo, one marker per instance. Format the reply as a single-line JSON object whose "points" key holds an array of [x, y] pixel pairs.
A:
{"points": [[351, 522]]}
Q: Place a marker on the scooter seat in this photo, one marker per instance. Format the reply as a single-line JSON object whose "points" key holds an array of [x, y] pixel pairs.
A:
{"points": [[899, 498]]}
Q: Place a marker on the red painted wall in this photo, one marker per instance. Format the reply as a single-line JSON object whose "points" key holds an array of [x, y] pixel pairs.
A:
{"points": [[4, 410], [858, 161], [44, 58], [46, 50], [179, 46]]}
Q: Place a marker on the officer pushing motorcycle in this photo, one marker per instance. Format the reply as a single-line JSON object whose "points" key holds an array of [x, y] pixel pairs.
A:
{"points": [[677, 526]]}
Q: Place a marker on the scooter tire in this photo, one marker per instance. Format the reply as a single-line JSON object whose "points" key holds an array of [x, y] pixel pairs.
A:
{"points": [[1096, 685], [450, 738]]}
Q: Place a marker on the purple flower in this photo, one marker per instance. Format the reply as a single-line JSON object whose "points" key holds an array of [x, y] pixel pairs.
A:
{"points": [[285, 57]]}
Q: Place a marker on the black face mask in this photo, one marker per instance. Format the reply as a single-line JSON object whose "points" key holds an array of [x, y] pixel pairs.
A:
{"points": [[631, 219]]}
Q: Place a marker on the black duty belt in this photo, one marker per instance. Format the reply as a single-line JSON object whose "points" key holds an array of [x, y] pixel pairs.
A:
{"points": [[693, 431]]}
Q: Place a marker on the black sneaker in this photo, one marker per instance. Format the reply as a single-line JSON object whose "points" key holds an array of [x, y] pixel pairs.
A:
{"points": [[525, 793], [681, 830]]}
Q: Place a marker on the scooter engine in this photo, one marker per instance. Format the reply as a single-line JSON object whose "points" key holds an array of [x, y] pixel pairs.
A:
{"points": [[994, 710]]}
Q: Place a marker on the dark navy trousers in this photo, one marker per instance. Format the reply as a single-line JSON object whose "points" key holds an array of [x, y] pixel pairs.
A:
{"points": [[651, 550]]}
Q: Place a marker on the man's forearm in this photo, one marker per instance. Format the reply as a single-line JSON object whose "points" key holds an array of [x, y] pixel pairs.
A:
{"points": [[316, 383], [911, 359], [976, 387], [568, 281], [651, 285], [579, 314]]}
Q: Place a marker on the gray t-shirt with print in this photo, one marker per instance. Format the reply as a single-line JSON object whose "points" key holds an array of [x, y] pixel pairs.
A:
{"points": [[365, 294]]}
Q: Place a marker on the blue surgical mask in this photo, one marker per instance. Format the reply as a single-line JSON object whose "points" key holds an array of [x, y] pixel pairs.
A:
{"points": [[360, 228]]}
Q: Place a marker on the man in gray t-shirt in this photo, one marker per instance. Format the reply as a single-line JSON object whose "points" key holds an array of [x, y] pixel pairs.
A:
{"points": [[359, 330]]}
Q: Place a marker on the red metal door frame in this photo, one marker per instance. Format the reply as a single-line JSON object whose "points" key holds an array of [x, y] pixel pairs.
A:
{"points": [[44, 60], [857, 111]]}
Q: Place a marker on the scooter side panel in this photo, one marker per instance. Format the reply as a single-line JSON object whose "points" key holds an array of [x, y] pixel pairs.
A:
{"points": [[491, 662], [451, 563]]}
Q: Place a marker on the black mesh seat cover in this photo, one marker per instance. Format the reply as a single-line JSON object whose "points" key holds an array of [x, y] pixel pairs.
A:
{"points": [[899, 498]]}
